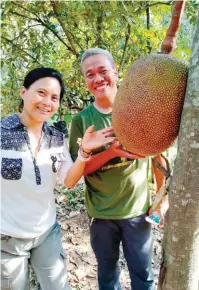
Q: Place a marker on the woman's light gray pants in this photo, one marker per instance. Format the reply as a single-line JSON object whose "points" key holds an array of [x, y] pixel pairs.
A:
{"points": [[46, 256]]}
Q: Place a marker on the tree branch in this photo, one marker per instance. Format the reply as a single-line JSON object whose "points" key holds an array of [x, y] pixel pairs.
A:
{"points": [[148, 26], [75, 39], [161, 3], [141, 9], [169, 43], [128, 32], [55, 33], [72, 48], [99, 29], [24, 8], [19, 48], [39, 20], [21, 33], [21, 15]]}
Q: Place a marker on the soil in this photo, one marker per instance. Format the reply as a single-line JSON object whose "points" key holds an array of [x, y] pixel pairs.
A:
{"points": [[82, 266]]}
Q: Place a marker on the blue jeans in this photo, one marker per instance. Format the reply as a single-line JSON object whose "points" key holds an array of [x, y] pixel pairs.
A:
{"points": [[135, 235], [46, 256]]}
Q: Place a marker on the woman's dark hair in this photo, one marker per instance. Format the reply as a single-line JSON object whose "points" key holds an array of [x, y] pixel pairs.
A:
{"points": [[39, 73]]}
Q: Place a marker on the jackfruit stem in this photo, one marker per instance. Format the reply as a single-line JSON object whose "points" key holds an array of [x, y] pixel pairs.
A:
{"points": [[169, 43]]}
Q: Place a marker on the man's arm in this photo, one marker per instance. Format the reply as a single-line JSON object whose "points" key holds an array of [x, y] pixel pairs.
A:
{"points": [[163, 205], [98, 160], [159, 175]]}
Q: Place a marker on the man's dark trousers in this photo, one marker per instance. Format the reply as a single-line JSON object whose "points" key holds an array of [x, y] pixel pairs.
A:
{"points": [[135, 235]]}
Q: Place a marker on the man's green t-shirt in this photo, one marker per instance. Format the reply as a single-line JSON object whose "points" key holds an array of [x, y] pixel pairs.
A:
{"points": [[119, 189]]}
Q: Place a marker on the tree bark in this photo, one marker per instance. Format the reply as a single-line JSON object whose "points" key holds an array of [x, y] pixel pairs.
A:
{"points": [[180, 267], [148, 26], [127, 37], [99, 22]]}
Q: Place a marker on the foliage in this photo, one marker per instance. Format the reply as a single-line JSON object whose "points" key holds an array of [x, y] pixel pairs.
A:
{"points": [[56, 33], [75, 197]]}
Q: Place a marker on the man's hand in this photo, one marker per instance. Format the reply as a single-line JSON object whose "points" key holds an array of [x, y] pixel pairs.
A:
{"points": [[161, 210], [116, 150]]}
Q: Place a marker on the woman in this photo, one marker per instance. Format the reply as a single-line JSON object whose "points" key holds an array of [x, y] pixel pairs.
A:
{"points": [[33, 155]]}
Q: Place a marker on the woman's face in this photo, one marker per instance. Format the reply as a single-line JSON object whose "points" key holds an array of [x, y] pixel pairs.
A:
{"points": [[41, 99]]}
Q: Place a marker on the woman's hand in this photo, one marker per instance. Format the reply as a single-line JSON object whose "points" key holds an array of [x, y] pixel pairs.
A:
{"points": [[116, 150], [92, 140]]}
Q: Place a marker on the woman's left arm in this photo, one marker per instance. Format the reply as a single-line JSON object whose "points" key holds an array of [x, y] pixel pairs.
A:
{"points": [[90, 141], [74, 173]]}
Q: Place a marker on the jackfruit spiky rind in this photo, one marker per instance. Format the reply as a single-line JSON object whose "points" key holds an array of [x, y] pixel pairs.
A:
{"points": [[148, 105]]}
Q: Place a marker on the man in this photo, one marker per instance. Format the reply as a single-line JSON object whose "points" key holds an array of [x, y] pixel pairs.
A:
{"points": [[117, 197]]}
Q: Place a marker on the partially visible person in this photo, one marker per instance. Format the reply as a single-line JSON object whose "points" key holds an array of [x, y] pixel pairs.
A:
{"points": [[117, 195], [33, 155]]}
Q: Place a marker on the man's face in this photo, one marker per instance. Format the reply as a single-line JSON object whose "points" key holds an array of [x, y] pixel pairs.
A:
{"points": [[100, 76]]}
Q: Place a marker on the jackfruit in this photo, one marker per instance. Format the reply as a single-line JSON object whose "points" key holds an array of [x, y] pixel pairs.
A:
{"points": [[148, 105]]}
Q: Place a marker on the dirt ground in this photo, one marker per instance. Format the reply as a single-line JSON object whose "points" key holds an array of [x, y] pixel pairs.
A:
{"points": [[82, 266], [81, 261]]}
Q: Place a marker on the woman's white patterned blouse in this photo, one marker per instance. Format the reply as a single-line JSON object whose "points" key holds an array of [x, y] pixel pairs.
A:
{"points": [[28, 205]]}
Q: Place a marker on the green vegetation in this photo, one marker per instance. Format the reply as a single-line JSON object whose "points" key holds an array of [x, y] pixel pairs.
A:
{"points": [[56, 33]]}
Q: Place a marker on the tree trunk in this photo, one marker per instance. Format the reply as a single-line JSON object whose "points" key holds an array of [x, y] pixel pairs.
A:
{"points": [[180, 267]]}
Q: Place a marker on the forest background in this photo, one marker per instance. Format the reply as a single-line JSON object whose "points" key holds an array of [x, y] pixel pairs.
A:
{"points": [[56, 33]]}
